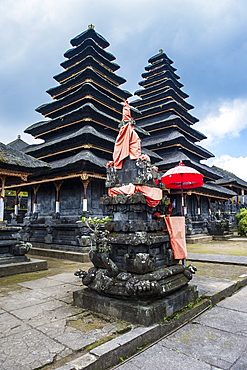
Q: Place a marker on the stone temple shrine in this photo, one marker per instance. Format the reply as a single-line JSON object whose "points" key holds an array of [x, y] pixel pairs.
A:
{"points": [[79, 128]]}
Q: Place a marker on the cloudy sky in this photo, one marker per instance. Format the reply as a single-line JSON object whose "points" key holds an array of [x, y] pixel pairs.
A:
{"points": [[207, 40]]}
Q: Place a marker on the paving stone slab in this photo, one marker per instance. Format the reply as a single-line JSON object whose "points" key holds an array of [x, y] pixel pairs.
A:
{"points": [[225, 319], [213, 346], [40, 283], [38, 315], [72, 337], [60, 291], [10, 325], [237, 301], [241, 363], [66, 277], [28, 350], [218, 258], [209, 286], [159, 358], [21, 299]]}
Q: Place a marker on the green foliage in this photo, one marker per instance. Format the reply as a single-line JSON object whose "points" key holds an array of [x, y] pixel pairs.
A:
{"points": [[13, 193], [165, 200], [242, 213], [94, 223], [242, 222], [242, 226]]}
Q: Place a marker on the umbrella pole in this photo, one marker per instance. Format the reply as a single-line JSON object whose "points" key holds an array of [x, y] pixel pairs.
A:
{"points": [[182, 194]]}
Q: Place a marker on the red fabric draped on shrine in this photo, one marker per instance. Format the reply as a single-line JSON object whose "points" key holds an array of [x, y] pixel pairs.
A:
{"points": [[176, 229], [127, 142], [153, 195]]}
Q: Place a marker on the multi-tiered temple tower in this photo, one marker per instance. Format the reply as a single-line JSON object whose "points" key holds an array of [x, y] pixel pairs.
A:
{"points": [[166, 116], [79, 134]]}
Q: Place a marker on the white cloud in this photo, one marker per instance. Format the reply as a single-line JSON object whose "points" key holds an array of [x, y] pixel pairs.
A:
{"points": [[238, 166], [227, 120]]}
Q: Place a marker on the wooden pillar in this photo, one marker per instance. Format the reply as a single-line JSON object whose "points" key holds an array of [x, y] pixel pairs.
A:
{"points": [[57, 185], [85, 181], [35, 192], [242, 196], [219, 210], [3, 178], [198, 204], [209, 206], [17, 202], [185, 204]]}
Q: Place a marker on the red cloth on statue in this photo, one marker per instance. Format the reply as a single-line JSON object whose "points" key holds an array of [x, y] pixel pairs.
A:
{"points": [[127, 144], [153, 195], [126, 116], [176, 229]]}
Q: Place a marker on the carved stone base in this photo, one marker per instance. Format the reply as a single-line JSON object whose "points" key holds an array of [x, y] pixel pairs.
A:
{"points": [[145, 313], [125, 285]]}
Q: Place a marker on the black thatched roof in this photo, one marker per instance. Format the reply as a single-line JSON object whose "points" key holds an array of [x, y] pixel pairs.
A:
{"points": [[212, 189], [229, 178], [167, 119], [170, 105], [88, 61], [85, 93], [75, 82], [18, 144], [217, 190], [13, 157], [84, 155], [89, 42], [90, 50], [87, 110], [85, 135], [159, 64], [90, 33], [151, 90], [157, 71], [175, 137], [160, 56], [159, 97], [173, 159], [158, 78]]}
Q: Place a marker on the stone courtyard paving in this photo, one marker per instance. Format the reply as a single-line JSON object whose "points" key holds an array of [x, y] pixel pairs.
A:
{"points": [[217, 339], [40, 327], [39, 324]]}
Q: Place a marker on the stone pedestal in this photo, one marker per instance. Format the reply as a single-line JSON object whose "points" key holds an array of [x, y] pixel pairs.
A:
{"points": [[135, 275], [143, 312], [12, 254]]}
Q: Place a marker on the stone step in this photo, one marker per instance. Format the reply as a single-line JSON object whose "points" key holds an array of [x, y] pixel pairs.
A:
{"points": [[198, 238], [60, 254], [222, 237]]}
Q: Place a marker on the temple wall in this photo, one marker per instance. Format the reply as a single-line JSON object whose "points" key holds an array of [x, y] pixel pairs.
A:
{"points": [[60, 230], [70, 196]]}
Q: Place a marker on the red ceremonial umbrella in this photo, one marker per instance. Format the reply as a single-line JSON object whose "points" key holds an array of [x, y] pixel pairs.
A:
{"points": [[182, 177]]}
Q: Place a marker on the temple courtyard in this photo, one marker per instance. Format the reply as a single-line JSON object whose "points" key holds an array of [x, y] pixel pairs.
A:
{"points": [[41, 329]]}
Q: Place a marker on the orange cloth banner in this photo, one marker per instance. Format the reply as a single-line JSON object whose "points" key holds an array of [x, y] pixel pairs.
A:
{"points": [[127, 144], [153, 195], [176, 229]]}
